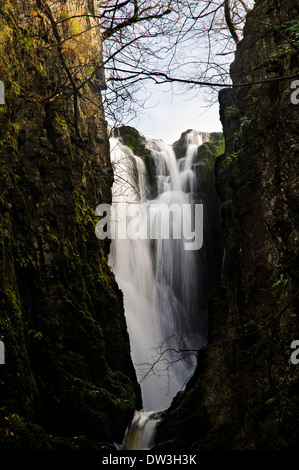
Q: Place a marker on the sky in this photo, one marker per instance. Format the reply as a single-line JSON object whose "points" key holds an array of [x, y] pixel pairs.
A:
{"points": [[169, 113]]}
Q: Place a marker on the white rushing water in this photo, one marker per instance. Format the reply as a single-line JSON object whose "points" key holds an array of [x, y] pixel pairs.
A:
{"points": [[159, 278], [141, 433]]}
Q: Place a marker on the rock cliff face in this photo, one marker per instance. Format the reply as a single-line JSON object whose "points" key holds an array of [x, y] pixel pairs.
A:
{"points": [[68, 366], [244, 394]]}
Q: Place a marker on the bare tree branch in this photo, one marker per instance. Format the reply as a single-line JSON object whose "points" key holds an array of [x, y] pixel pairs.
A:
{"points": [[229, 22]]}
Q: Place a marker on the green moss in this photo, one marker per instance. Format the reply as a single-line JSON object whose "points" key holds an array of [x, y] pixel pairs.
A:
{"points": [[180, 146], [131, 138], [61, 312], [288, 47], [282, 282], [207, 152], [16, 375], [229, 159], [231, 112], [204, 164], [136, 142], [16, 434], [52, 239], [226, 204]]}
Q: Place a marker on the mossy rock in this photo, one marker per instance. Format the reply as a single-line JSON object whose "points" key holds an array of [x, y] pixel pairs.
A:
{"points": [[137, 143], [214, 146], [180, 145], [18, 434], [61, 311]]}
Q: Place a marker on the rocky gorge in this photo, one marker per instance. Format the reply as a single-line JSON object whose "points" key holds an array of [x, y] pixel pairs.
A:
{"points": [[68, 381]]}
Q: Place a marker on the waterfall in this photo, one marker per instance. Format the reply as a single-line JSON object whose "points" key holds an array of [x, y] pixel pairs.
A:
{"points": [[140, 435], [159, 278]]}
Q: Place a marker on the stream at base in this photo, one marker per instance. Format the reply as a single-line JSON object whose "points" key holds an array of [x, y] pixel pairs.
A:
{"points": [[141, 433]]}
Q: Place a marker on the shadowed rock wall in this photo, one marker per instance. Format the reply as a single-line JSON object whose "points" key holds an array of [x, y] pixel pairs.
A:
{"points": [[244, 393], [68, 366]]}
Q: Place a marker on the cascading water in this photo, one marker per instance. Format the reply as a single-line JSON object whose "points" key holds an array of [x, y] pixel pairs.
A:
{"points": [[140, 435], [159, 278]]}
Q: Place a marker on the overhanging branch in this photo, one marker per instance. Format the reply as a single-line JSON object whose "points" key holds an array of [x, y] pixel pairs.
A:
{"points": [[161, 77]]}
